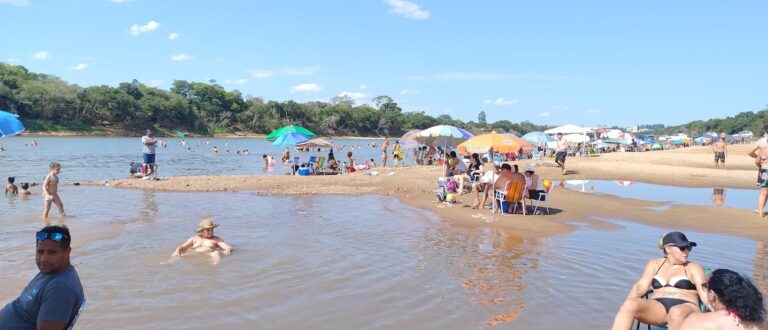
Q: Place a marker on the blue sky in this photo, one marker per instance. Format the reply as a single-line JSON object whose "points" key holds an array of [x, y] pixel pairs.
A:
{"points": [[549, 62]]}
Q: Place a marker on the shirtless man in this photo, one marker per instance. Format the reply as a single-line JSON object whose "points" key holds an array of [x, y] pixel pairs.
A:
{"points": [[760, 154], [561, 152], [205, 242], [384, 147], [720, 149]]}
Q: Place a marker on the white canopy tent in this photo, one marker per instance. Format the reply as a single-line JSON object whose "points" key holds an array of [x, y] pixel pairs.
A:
{"points": [[570, 129]]}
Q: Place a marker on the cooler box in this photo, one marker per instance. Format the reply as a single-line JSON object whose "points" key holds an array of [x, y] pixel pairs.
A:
{"points": [[303, 171], [505, 207]]}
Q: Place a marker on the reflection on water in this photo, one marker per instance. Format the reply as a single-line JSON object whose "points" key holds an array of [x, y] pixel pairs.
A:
{"points": [[738, 198], [315, 262]]}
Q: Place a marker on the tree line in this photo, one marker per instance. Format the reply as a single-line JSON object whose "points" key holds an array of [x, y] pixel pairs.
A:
{"points": [[745, 121], [48, 103]]}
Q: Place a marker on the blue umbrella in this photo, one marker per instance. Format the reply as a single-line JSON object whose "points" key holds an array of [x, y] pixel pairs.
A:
{"points": [[10, 124], [289, 139], [537, 137]]}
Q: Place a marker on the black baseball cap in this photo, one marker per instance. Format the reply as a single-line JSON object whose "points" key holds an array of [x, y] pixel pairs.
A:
{"points": [[676, 238]]}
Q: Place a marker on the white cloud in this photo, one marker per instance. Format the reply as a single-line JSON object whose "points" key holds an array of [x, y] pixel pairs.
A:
{"points": [[353, 95], [306, 88], [17, 3], [407, 8], [42, 55], [120, 1], [413, 91], [236, 81], [362, 87], [180, 57], [593, 110], [154, 83], [284, 71], [139, 29], [173, 36], [79, 67], [501, 102], [544, 114]]}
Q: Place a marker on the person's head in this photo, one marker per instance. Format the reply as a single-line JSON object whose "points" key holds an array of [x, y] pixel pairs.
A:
{"points": [[148, 132], [529, 170], [722, 135], [25, 186], [397, 141], [475, 158], [676, 247], [506, 168], [205, 228], [349, 154], [52, 246], [55, 167], [264, 156], [559, 136], [11, 179], [453, 154], [736, 294]]}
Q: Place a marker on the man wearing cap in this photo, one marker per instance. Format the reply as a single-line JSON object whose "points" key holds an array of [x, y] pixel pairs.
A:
{"points": [[205, 241], [52, 300], [533, 184]]}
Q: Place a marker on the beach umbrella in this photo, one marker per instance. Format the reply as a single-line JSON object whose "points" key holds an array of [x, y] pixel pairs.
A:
{"points": [[289, 139], [614, 141], [10, 124], [445, 135], [657, 146], [498, 142], [537, 137], [576, 138], [316, 143], [289, 129], [408, 140]]}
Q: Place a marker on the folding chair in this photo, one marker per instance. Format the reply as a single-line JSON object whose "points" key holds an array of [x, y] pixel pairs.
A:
{"points": [[320, 163], [312, 163], [543, 196], [512, 194], [702, 306]]}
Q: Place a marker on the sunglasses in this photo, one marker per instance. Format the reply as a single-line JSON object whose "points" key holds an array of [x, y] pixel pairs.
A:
{"points": [[57, 237], [689, 248]]}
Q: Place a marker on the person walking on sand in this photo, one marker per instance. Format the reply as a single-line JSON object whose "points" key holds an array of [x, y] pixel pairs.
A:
{"points": [[562, 151], [720, 148], [384, 146], [760, 154], [150, 143], [51, 191], [52, 300], [205, 242]]}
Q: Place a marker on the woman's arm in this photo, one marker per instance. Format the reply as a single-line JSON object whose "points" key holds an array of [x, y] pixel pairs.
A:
{"points": [[641, 286], [699, 278]]}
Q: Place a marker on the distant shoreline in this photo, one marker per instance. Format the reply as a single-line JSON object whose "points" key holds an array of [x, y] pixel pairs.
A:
{"points": [[122, 133]]}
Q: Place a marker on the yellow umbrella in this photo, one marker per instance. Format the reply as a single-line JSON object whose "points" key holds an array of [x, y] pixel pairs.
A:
{"points": [[499, 142]]}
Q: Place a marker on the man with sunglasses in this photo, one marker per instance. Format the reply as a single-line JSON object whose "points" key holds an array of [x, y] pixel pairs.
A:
{"points": [[53, 298]]}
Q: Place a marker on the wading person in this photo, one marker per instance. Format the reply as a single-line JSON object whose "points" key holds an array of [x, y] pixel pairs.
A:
{"points": [[384, 146], [150, 143], [760, 154], [51, 191], [205, 242], [736, 304], [53, 298], [677, 287], [720, 148]]}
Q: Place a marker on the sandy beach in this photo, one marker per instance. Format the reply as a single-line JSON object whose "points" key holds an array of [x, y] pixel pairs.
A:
{"points": [[688, 167]]}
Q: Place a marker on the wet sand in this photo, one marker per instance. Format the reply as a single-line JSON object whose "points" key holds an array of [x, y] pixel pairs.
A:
{"points": [[690, 167]]}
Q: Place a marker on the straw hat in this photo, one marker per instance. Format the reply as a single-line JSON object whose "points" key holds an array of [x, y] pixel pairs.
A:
{"points": [[205, 224]]}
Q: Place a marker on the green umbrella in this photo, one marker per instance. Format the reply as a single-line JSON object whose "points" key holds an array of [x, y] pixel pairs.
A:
{"points": [[289, 129]]}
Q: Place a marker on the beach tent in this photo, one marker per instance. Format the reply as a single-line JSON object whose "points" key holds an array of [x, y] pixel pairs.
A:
{"points": [[576, 138], [10, 124], [289, 129], [316, 143], [570, 129]]}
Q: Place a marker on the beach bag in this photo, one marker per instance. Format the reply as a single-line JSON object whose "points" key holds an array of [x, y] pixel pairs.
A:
{"points": [[450, 185]]}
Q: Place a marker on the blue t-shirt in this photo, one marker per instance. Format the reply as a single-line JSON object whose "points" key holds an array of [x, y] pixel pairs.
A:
{"points": [[48, 297]]}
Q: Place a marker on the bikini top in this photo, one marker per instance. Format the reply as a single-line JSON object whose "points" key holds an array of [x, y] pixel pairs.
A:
{"points": [[680, 282]]}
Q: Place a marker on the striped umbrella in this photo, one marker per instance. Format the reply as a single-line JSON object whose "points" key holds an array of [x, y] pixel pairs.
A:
{"points": [[445, 135]]}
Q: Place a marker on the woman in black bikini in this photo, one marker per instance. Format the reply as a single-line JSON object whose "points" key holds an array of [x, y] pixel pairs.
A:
{"points": [[677, 287]]}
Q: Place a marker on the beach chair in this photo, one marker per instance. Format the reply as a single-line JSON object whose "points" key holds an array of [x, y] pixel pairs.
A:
{"points": [[512, 195], [543, 197], [320, 163], [312, 163]]}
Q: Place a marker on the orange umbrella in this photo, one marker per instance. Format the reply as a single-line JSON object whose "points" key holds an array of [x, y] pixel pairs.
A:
{"points": [[499, 142]]}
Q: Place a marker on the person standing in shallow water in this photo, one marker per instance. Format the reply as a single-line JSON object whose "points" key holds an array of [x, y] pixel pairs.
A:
{"points": [[52, 300], [384, 146], [51, 191]]}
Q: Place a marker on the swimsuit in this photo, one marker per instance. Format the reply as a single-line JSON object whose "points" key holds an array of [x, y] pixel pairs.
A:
{"points": [[719, 157], [680, 282]]}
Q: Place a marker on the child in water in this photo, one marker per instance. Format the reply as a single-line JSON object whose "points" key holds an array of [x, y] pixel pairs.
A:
{"points": [[51, 191], [10, 188], [25, 189]]}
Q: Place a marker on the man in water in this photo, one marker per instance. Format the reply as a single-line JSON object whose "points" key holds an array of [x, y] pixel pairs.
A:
{"points": [[205, 241], [720, 149], [52, 300], [384, 146], [149, 142], [562, 151]]}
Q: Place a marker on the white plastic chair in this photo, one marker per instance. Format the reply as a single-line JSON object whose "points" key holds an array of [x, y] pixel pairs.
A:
{"points": [[543, 197]]}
